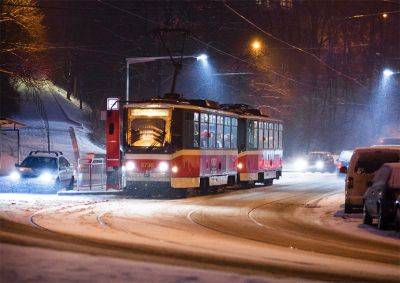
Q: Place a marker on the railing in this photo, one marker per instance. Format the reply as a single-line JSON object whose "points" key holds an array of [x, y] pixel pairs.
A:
{"points": [[91, 173]]}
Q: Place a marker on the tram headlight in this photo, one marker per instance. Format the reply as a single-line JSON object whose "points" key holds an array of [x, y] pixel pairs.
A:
{"points": [[130, 166], [319, 164], [240, 165], [174, 169], [163, 166]]}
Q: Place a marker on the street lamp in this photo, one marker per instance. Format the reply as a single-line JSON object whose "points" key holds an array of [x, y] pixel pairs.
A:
{"points": [[388, 73], [139, 60], [256, 45]]}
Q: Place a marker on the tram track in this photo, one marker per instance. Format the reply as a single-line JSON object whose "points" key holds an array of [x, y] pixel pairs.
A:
{"points": [[204, 231]]}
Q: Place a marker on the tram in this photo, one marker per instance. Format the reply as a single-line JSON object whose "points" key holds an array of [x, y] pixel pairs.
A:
{"points": [[176, 144]]}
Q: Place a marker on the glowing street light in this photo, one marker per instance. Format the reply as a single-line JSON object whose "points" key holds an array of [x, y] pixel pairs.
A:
{"points": [[256, 45], [384, 15], [202, 57], [388, 73]]}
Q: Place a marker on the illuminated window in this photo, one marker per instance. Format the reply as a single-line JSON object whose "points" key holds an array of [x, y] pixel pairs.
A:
{"points": [[270, 135], [212, 120], [204, 130], [220, 132], [234, 133], [148, 127], [252, 134], [227, 132], [260, 135], [276, 136], [265, 135], [287, 4]]}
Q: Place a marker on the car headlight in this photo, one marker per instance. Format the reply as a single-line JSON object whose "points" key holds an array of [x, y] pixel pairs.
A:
{"points": [[15, 176], [319, 164], [300, 164], [130, 166], [46, 178]]}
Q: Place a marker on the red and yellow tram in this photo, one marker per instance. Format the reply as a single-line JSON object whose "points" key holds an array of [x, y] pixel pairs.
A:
{"points": [[181, 144]]}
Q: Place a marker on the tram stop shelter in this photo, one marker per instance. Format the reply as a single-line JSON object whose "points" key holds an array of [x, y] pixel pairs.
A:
{"points": [[9, 125]]}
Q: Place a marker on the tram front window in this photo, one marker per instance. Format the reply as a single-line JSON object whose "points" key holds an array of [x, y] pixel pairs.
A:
{"points": [[148, 127]]}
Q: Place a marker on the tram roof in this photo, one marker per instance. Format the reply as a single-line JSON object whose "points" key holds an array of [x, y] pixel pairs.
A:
{"points": [[236, 110]]}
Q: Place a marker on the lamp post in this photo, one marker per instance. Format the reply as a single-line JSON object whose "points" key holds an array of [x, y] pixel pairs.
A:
{"points": [[138, 60]]}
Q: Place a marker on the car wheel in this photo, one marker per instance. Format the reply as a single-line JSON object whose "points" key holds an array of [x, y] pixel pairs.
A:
{"points": [[71, 184], [348, 208], [382, 222], [367, 219]]}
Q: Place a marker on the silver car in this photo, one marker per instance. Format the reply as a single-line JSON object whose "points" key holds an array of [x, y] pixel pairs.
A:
{"points": [[45, 168]]}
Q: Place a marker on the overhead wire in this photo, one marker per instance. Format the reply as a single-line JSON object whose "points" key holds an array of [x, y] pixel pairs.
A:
{"points": [[295, 47], [204, 43]]}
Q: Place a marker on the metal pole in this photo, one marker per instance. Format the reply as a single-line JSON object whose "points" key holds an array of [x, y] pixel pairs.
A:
{"points": [[127, 81], [18, 147]]}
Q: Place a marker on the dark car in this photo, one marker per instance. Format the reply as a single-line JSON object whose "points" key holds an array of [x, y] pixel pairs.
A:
{"points": [[320, 161], [45, 169], [380, 197]]}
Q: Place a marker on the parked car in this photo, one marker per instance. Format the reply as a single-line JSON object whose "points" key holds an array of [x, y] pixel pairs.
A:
{"points": [[344, 159], [45, 168], [363, 165], [380, 198]]}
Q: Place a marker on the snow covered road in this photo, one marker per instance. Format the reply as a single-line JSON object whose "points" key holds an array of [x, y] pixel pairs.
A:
{"points": [[293, 230]]}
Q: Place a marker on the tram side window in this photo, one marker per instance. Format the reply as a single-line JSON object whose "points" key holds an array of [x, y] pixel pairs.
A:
{"points": [[270, 135], [234, 133], [220, 132], [276, 140], [260, 135], [252, 134], [204, 130], [227, 132], [280, 136], [196, 130], [265, 135], [212, 119], [190, 138]]}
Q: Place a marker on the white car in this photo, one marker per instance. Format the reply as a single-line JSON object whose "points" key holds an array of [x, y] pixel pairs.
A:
{"points": [[45, 168]]}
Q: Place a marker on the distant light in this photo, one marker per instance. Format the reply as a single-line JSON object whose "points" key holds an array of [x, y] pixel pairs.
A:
{"points": [[256, 45], [388, 73], [174, 169], [163, 166], [15, 176], [46, 178], [384, 15], [130, 166], [202, 57], [319, 165]]}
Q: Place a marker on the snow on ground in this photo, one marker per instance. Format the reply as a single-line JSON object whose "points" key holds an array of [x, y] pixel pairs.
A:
{"points": [[61, 113], [60, 266]]}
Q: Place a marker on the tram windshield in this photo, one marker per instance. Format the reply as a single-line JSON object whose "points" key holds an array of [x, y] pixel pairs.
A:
{"points": [[148, 127]]}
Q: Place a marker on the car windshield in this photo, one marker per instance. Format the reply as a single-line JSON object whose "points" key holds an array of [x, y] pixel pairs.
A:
{"points": [[40, 162], [319, 156], [148, 127], [369, 162]]}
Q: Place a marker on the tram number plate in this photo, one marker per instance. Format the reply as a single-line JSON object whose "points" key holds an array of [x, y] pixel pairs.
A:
{"points": [[146, 165]]}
